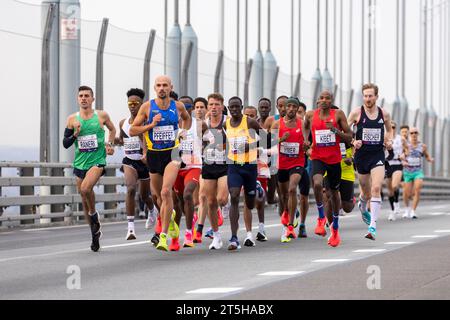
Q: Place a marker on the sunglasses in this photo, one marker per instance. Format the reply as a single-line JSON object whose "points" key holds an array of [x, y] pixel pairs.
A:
{"points": [[133, 103], [414, 133]]}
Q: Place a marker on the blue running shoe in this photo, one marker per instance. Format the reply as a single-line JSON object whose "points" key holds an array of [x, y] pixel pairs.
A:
{"points": [[364, 214], [371, 235], [210, 234], [234, 244]]}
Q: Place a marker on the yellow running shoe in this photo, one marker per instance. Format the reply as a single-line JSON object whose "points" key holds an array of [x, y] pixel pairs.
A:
{"points": [[174, 230], [162, 245]]}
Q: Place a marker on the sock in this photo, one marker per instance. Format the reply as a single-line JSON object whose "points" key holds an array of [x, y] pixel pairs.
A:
{"points": [[335, 221], [130, 222], [216, 234], [200, 228], [363, 204], [261, 227], [396, 195], [375, 205], [391, 201], [320, 209], [249, 235], [94, 217], [302, 224]]}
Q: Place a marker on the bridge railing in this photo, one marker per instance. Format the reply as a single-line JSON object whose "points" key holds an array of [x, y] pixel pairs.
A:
{"points": [[48, 196]]}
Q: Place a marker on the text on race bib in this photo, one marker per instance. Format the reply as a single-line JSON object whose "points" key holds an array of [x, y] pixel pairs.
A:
{"points": [[88, 143], [414, 162], [237, 144], [132, 145], [290, 149], [163, 134], [215, 156], [371, 136], [343, 150], [325, 138], [187, 146]]}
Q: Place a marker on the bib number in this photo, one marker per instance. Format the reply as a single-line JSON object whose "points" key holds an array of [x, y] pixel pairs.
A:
{"points": [[414, 162], [132, 145], [88, 143], [163, 134], [343, 150], [325, 138], [371, 136], [291, 150], [237, 145]]}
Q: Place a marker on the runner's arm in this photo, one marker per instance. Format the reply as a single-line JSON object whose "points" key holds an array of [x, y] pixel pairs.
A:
{"points": [[139, 127], [346, 134], [427, 154], [70, 135], [118, 141]]}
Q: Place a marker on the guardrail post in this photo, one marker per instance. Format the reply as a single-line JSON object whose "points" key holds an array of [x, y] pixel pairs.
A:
{"points": [[110, 189], [247, 81], [26, 191], [99, 66], [147, 60], [218, 72], [186, 64], [273, 91], [57, 172]]}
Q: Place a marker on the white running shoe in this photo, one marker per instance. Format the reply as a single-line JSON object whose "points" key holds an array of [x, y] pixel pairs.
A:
{"points": [[217, 243], [131, 235], [392, 216], [249, 242], [407, 213], [412, 214], [141, 214], [397, 208], [151, 220]]}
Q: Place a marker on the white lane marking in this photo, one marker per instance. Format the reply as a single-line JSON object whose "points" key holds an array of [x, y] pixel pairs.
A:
{"points": [[213, 290], [347, 217], [442, 231], [329, 260], [126, 244], [369, 250], [439, 207], [425, 236], [79, 226], [280, 273], [437, 213], [400, 243]]}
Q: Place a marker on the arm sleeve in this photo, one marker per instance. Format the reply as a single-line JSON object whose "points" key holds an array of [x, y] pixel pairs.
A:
{"points": [[69, 139]]}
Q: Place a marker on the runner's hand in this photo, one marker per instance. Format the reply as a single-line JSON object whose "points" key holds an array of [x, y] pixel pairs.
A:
{"points": [[156, 119], [109, 149], [357, 144], [76, 128]]}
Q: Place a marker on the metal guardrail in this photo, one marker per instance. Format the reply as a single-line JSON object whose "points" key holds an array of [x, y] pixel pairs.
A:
{"points": [[66, 205]]}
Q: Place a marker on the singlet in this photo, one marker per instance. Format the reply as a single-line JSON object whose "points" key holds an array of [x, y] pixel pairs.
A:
{"points": [[325, 143], [133, 146], [214, 141], [191, 148], [237, 139], [397, 146], [290, 152], [90, 144], [370, 132], [163, 137], [414, 158], [348, 172]]}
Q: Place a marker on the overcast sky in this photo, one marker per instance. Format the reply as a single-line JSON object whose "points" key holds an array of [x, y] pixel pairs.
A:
{"points": [[20, 63]]}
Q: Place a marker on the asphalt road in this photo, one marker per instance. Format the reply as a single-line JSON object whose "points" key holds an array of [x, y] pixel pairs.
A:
{"points": [[409, 260]]}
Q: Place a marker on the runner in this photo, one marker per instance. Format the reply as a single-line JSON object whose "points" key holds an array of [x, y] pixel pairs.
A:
{"points": [[373, 135], [328, 127], [214, 186], [394, 172], [242, 167], [291, 162], [413, 172], [158, 120], [86, 129], [134, 165]]}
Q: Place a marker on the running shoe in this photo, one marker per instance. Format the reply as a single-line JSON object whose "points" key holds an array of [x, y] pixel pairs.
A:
{"points": [[142, 215], [397, 208], [320, 228], [392, 216], [226, 211], [197, 237], [249, 242], [131, 235], [406, 214], [96, 235], [412, 214], [219, 217], [188, 240], [290, 232], [234, 244], [372, 233], [302, 232], [174, 230], [151, 220], [162, 244], [210, 234], [155, 239], [261, 236], [285, 218], [334, 240], [284, 238], [174, 244], [217, 243], [296, 218], [364, 214], [158, 227]]}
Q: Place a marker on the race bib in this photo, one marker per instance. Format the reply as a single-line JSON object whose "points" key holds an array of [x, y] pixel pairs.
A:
{"points": [[371, 136], [215, 156], [290, 149], [414, 162], [88, 143], [187, 146], [237, 145], [343, 150], [163, 134], [325, 138], [132, 145]]}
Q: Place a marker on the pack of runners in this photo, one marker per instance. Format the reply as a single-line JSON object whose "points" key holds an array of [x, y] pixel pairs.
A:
{"points": [[198, 159]]}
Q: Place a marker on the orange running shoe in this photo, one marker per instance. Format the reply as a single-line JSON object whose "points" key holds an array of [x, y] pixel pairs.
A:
{"points": [[158, 226], [334, 240], [174, 245], [320, 228], [290, 232], [197, 237], [220, 217], [285, 218], [194, 221], [188, 239]]}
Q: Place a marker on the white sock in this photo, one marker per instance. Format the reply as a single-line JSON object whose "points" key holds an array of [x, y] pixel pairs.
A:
{"points": [[130, 223], [261, 227], [375, 206], [363, 204], [249, 235]]}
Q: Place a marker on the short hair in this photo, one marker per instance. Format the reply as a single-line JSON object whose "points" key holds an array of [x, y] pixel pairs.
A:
{"points": [[186, 97], [281, 97], [370, 86], [173, 95], [251, 108], [303, 106], [235, 98], [405, 126], [136, 92], [202, 100], [216, 96], [264, 99], [86, 88]]}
